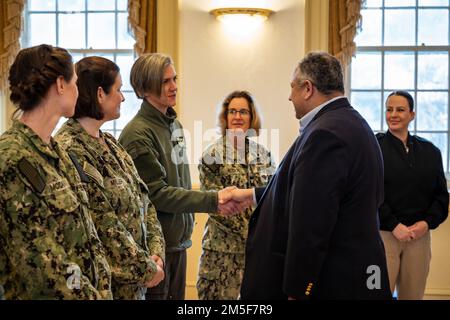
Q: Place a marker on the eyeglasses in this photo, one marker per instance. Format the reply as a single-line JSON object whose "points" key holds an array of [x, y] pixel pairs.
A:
{"points": [[242, 112]]}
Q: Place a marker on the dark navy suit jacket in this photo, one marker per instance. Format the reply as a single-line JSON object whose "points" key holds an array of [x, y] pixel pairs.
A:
{"points": [[315, 231]]}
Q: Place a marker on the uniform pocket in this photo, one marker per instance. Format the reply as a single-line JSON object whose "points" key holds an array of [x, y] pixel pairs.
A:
{"points": [[60, 197], [119, 192]]}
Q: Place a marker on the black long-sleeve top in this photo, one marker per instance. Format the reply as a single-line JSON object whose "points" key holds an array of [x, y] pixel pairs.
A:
{"points": [[414, 183]]}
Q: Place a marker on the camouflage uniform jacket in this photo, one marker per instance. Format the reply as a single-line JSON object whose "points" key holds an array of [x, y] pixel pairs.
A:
{"points": [[49, 247], [125, 219], [222, 167], [156, 143]]}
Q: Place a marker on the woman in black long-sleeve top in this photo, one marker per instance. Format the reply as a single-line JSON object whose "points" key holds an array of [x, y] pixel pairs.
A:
{"points": [[416, 198]]}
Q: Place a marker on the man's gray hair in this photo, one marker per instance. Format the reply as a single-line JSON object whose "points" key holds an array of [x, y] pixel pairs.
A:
{"points": [[323, 70]]}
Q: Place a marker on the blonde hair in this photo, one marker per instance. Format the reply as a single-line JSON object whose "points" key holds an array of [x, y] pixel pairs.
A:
{"points": [[255, 117], [147, 73]]}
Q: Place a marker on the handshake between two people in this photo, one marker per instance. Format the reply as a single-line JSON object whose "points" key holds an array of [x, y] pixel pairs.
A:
{"points": [[233, 200]]}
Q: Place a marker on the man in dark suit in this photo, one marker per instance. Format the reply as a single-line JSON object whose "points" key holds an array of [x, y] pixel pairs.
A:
{"points": [[314, 233]]}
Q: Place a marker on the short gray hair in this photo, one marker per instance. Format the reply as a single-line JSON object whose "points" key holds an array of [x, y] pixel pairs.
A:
{"points": [[323, 70], [147, 73]]}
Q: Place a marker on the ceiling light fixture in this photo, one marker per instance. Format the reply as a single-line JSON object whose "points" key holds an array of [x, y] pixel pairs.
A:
{"points": [[259, 13]]}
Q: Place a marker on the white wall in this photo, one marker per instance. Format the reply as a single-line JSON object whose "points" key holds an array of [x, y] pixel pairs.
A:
{"points": [[438, 282], [212, 64]]}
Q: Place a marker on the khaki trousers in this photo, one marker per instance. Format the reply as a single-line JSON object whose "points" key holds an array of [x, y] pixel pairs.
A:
{"points": [[408, 265]]}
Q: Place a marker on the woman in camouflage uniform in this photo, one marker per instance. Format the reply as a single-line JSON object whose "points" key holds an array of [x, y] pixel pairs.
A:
{"points": [[49, 247], [233, 160], [125, 219]]}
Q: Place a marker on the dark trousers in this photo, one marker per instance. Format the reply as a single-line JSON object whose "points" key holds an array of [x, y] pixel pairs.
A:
{"points": [[174, 284]]}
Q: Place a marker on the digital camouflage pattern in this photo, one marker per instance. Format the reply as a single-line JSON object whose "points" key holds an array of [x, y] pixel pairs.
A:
{"points": [[124, 216], [223, 244], [220, 275], [49, 247]]}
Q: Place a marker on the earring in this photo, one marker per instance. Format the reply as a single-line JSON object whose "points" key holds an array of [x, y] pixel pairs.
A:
{"points": [[61, 92]]}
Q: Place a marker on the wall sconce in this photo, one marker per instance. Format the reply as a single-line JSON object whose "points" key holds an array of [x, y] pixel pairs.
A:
{"points": [[223, 14]]}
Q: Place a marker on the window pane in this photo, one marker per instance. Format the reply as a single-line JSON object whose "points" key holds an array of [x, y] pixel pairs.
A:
{"points": [[76, 57], [373, 3], [125, 40], [433, 3], [125, 62], [432, 71], [72, 30], [431, 20], [399, 3], [41, 5], [396, 34], [108, 126], [366, 71], [42, 29], [431, 110], [430, 88], [101, 5], [59, 125], [129, 108], [106, 55], [368, 104], [101, 30], [399, 71], [117, 134], [440, 141], [370, 35], [122, 4], [71, 5]]}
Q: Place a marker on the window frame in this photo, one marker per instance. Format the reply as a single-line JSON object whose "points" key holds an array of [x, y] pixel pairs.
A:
{"points": [[25, 40], [416, 50]]}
